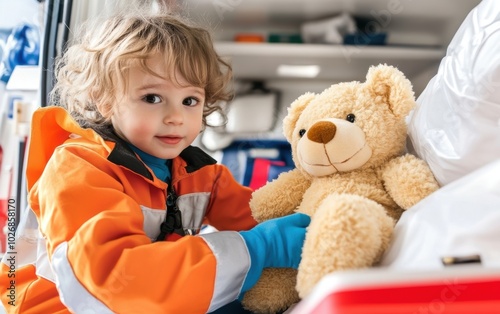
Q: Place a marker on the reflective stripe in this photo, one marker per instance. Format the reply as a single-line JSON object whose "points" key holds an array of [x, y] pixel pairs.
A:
{"points": [[233, 263], [192, 206], [30, 247], [26, 237], [24, 252], [43, 267], [152, 221], [73, 294]]}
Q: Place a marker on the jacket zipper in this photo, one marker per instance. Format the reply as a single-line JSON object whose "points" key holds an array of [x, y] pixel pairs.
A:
{"points": [[173, 217]]}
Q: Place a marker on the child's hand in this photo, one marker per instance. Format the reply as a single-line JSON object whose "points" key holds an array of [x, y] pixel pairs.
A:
{"points": [[275, 243]]}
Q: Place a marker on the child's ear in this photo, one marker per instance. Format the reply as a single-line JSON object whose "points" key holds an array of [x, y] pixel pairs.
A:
{"points": [[390, 84], [294, 112]]}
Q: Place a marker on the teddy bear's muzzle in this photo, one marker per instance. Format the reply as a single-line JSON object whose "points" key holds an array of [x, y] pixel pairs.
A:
{"points": [[333, 145]]}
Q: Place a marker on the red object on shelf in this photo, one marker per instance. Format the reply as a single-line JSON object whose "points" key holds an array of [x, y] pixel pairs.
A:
{"points": [[260, 174], [249, 38]]}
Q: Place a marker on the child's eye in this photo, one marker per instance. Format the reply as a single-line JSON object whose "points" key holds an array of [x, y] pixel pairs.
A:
{"points": [[190, 101], [152, 99]]}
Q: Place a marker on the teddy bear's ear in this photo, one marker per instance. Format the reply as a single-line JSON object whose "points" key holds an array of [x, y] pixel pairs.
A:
{"points": [[294, 112], [388, 82]]}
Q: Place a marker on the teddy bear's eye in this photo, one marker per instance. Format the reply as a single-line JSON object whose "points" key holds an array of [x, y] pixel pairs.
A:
{"points": [[350, 117], [302, 132]]}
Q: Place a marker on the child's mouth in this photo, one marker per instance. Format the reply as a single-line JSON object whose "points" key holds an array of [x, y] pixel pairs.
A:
{"points": [[169, 139]]}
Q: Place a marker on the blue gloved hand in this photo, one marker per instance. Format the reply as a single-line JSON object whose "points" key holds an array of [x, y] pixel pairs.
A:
{"points": [[275, 243]]}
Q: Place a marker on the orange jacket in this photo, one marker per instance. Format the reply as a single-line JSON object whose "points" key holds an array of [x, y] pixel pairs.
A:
{"points": [[99, 208]]}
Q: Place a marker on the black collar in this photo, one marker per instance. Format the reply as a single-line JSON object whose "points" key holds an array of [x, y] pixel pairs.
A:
{"points": [[123, 155]]}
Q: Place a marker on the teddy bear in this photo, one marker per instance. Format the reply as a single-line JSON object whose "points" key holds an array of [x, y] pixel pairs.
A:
{"points": [[352, 176]]}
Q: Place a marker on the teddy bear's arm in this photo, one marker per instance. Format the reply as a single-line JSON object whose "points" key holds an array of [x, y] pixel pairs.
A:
{"points": [[408, 180], [279, 197]]}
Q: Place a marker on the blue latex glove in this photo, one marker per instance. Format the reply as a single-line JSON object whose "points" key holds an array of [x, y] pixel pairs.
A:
{"points": [[275, 243]]}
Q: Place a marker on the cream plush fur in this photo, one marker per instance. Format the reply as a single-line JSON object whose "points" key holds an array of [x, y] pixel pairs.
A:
{"points": [[352, 177]]}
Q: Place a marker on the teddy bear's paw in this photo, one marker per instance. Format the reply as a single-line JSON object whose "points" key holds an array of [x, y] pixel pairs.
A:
{"points": [[408, 180], [274, 292], [347, 232], [279, 197]]}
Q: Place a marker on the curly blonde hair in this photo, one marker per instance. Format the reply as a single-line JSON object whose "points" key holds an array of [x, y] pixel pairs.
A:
{"points": [[90, 71]]}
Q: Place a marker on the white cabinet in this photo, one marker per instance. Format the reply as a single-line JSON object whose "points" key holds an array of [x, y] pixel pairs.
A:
{"points": [[418, 34]]}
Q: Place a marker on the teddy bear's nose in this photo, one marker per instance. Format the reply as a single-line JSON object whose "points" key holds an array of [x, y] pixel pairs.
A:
{"points": [[322, 132]]}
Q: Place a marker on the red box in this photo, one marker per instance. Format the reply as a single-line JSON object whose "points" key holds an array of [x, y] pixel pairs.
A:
{"points": [[464, 289]]}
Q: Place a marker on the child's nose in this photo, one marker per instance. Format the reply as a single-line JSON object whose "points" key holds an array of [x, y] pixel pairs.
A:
{"points": [[173, 115]]}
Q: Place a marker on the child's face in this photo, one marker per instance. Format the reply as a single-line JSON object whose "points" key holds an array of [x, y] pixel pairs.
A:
{"points": [[156, 115]]}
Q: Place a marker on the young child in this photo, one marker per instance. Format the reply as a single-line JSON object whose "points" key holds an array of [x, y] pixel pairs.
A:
{"points": [[119, 193]]}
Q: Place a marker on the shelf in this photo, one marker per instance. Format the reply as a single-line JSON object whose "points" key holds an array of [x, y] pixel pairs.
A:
{"points": [[336, 62], [416, 30]]}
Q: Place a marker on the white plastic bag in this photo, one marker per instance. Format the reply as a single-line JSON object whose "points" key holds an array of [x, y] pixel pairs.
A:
{"points": [[456, 125], [329, 30], [459, 220], [456, 130]]}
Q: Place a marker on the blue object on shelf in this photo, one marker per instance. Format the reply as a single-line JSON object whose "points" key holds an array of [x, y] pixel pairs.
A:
{"points": [[22, 48], [363, 39], [252, 170]]}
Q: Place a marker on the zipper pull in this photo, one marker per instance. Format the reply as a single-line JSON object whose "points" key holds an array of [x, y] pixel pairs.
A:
{"points": [[173, 218]]}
